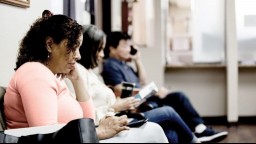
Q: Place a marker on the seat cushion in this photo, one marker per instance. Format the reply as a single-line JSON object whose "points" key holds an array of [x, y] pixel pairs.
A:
{"points": [[2, 117]]}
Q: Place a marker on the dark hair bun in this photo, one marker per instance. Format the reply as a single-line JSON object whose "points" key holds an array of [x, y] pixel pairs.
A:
{"points": [[46, 14]]}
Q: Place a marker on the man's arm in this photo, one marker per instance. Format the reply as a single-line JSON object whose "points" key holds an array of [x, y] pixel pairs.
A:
{"points": [[140, 68], [141, 72], [112, 77]]}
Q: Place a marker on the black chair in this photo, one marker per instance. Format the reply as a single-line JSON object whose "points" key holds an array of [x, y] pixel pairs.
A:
{"points": [[2, 116]]}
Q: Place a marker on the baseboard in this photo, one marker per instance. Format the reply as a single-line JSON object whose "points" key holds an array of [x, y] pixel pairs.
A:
{"points": [[222, 120], [217, 120], [247, 120]]}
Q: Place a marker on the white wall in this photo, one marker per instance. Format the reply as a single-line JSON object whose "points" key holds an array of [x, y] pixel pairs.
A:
{"points": [[15, 22], [205, 88]]}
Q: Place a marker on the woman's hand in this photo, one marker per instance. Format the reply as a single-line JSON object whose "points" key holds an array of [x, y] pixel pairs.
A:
{"points": [[78, 78], [73, 74], [109, 126], [129, 103]]}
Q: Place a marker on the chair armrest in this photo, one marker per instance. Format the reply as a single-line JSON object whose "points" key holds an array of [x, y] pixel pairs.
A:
{"points": [[34, 130]]}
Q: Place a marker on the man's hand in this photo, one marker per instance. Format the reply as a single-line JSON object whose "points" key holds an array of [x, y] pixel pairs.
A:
{"points": [[135, 57], [162, 92], [135, 91]]}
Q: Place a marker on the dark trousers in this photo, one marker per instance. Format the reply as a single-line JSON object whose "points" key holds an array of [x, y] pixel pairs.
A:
{"points": [[174, 127], [181, 104]]}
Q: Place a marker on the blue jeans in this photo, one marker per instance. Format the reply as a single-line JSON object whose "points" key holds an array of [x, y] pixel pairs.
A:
{"points": [[174, 127], [181, 104]]}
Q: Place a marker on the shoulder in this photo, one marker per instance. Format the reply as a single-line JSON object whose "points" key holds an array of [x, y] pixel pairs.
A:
{"points": [[33, 74], [86, 73], [33, 68], [82, 69], [110, 61], [111, 64], [33, 71]]}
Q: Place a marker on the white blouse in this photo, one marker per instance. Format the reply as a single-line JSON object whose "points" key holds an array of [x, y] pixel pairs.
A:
{"points": [[103, 97]]}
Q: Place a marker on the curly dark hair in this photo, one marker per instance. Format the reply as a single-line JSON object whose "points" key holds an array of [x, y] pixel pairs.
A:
{"points": [[58, 27], [92, 44]]}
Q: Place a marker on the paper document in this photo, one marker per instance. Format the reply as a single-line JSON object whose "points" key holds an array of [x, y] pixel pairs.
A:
{"points": [[147, 91]]}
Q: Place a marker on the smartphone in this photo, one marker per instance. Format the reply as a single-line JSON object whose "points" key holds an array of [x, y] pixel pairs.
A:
{"points": [[135, 119], [133, 50], [127, 89], [136, 122]]}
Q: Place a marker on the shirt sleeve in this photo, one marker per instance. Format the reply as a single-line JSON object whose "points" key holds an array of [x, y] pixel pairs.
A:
{"points": [[88, 106], [88, 109], [111, 74], [38, 92]]}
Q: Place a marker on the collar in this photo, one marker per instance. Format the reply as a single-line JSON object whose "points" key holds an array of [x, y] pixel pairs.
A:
{"points": [[117, 60]]}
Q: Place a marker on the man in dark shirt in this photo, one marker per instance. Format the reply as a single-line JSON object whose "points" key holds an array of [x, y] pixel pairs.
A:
{"points": [[116, 70]]}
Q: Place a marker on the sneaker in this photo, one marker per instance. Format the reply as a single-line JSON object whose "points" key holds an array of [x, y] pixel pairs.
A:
{"points": [[209, 135]]}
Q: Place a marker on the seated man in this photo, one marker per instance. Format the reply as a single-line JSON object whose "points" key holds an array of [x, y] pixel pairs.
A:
{"points": [[116, 70]]}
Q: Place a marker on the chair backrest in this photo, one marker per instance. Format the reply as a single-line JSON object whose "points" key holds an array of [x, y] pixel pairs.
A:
{"points": [[2, 116]]}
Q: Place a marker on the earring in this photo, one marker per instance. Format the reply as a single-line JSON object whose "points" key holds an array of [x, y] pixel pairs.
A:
{"points": [[49, 51], [47, 60], [49, 55]]}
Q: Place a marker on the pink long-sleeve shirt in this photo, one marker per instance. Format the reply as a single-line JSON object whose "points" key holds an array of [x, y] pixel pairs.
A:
{"points": [[36, 97]]}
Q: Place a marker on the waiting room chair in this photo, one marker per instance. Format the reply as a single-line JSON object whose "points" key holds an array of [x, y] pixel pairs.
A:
{"points": [[2, 116]]}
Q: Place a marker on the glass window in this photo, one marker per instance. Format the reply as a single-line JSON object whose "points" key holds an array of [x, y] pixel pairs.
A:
{"points": [[246, 30]]}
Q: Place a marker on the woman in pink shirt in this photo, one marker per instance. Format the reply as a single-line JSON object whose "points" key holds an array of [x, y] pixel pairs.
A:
{"points": [[37, 94]]}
